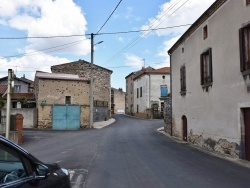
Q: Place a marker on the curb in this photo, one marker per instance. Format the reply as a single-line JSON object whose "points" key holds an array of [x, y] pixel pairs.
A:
{"points": [[240, 162]]}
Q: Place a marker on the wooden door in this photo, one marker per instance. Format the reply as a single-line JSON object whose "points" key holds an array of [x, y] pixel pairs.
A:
{"points": [[247, 132], [184, 125]]}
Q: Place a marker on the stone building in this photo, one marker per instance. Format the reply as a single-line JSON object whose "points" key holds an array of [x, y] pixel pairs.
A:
{"points": [[210, 73], [62, 101], [102, 84], [117, 101], [129, 98]]}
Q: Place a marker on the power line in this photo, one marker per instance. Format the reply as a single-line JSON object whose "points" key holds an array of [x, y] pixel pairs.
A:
{"points": [[138, 39], [107, 33], [45, 49], [109, 17]]}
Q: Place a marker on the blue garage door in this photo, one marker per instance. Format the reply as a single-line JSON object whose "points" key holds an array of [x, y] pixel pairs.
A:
{"points": [[66, 117]]}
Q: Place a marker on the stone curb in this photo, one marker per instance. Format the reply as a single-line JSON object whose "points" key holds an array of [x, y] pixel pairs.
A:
{"points": [[240, 162]]}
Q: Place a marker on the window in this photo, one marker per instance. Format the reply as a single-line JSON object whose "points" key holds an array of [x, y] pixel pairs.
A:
{"points": [[247, 2], [137, 108], [137, 92], [164, 91], [11, 167], [183, 80], [205, 33], [206, 68], [140, 91], [182, 50], [68, 100], [245, 49], [17, 88]]}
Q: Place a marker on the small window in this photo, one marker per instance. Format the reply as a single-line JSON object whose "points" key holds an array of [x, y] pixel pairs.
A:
{"points": [[17, 88], [68, 100], [205, 33], [247, 2], [182, 50], [164, 91], [206, 68], [183, 80], [137, 108], [245, 49], [137, 93], [140, 91]]}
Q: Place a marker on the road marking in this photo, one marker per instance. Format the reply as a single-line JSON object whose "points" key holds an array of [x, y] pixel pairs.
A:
{"points": [[78, 177]]}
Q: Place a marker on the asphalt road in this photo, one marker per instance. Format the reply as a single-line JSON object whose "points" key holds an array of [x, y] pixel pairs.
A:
{"points": [[131, 153]]}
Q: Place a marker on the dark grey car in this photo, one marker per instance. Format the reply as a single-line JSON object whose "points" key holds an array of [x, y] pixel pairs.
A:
{"points": [[18, 168]]}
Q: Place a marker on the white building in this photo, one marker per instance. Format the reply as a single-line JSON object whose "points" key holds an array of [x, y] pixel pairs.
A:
{"points": [[151, 87], [210, 80]]}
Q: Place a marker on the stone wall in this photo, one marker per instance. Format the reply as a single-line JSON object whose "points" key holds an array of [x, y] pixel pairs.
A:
{"points": [[221, 146], [119, 101], [54, 92], [101, 76]]}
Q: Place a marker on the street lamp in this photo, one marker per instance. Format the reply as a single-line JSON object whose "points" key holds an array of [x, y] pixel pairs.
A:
{"points": [[91, 82]]}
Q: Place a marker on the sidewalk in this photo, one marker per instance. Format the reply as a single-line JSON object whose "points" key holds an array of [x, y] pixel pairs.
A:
{"points": [[234, 160], [101, 124]]}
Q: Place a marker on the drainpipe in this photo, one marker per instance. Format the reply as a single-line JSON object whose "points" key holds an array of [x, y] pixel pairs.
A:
{"points": [[171, 86], [149, 93]]}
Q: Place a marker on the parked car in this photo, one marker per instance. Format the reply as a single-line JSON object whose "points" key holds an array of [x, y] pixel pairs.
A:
{"points": [[18, 168]]}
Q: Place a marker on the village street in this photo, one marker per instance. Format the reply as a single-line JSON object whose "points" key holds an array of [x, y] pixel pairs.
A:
{"points": [[131, 153]]}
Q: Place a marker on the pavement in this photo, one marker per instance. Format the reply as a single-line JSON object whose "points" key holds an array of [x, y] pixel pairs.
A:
{"points": [[234, 160], [101, 124]]}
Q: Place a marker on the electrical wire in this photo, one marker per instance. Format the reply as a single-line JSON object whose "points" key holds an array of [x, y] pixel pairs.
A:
{"points": [[138, 39], [109, 17]]}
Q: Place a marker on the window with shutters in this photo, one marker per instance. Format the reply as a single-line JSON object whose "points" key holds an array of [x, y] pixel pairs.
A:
{"points": [[183, 80], [164, 91], [206, 68], [245, 50], [137, 93], [140, 91], [205, 32]]}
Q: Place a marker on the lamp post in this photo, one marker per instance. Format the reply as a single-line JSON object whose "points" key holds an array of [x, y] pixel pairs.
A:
{"points": [[91, 82]]}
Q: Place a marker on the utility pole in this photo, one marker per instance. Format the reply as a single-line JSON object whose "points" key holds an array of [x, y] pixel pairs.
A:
{"points": [[91, 118], [10, 85], [91, 83]]}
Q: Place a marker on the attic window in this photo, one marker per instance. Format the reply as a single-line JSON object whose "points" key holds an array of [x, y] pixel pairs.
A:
{"points": [[182, 50], [205, 33]]}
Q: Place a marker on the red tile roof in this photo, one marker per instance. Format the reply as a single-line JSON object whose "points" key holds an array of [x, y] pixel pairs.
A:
{"points": [[163, 70], [29, 96], [3, 88]]}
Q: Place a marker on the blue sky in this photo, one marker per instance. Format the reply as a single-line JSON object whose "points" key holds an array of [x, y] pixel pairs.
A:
{"points": [[122, 53]]}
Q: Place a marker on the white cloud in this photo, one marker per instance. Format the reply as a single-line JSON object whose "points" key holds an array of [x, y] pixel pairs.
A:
{"points": [[47, 18], [29, 64], [172, 14], [133, 61]]}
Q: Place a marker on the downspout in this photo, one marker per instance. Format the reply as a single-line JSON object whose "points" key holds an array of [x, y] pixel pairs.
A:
{"points": [[149, 86], [171, 94]]}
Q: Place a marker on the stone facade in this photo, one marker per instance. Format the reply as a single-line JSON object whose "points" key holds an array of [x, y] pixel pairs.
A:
{"points": [[129, 98], [117, 101], [52, 89], [214, 112], [102, 84]]}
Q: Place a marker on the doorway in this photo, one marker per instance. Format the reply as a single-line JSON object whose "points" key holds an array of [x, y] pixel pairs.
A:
{"points": [[184, 127], [247, 132]]}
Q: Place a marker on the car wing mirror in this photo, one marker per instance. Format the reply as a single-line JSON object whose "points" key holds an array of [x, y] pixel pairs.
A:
{"points": [[42, 171]]}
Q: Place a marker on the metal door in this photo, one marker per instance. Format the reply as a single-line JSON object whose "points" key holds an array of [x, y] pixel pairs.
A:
{"points": [[247, 132], [66, 117]]}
